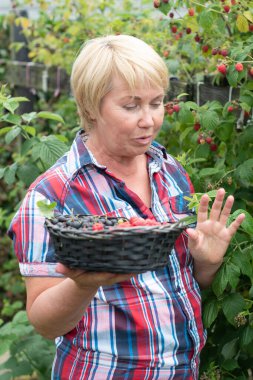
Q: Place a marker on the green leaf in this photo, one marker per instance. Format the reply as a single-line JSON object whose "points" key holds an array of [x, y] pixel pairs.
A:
{"points": [[28, 117], [242, 24], [220, 281], [244, 173], [4, 130], [210, 312], [230, 349], [27, 173], [10, 173], [10, 105], [209, 120], [185, 116], [225, 131], [185, 133], [12, 118], [191, 105], [232, 76], [2, 170], [51, 116], [48, 150], [233, 274], [246, 337], [30, 130], [232, 305], [230, 364], [206, 172], [12, 134], [242, 260], [46, 208], [206, 19]]}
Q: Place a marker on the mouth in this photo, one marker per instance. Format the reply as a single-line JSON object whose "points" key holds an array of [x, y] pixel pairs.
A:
{"points": [[144, 139]]}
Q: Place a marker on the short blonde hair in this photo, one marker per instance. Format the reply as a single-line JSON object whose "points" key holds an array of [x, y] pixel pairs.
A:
{"points": [[103, 58]]}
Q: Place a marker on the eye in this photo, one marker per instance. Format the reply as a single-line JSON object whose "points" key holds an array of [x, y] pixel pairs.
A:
{"points": [[156, 105], [130, 107]]}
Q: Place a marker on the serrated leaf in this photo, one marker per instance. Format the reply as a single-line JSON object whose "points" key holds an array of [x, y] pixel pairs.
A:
{"points": [[185, 116], [206, 19], [209, 120], [12, 134], [232, 305], [185, 133], [46, 208], [220, 281], [191, 105], [248, 15], [230, 364], [10, 173], [48, 150], [206, 172], [4, 130], [2, 170], [233, 274], [247, 224], [244, 172], [12, 118], [242, 23], [10, 105], [242, 260], [30, 130], [27, 173], [51, 116], [230, 349], [210, 312], [232, 77], [246, 337], [28, 117]]}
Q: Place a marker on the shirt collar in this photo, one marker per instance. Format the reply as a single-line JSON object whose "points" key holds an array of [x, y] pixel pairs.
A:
{"points": [[79, 155]]}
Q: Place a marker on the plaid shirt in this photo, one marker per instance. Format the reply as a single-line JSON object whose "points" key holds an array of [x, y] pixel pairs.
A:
{"points": [[149, 327]]}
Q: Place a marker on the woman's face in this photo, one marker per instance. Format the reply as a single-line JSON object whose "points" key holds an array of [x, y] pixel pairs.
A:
{"points": [[128, 121]]}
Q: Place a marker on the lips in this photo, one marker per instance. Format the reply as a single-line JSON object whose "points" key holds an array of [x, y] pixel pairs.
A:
{"points": [[144, 139]]}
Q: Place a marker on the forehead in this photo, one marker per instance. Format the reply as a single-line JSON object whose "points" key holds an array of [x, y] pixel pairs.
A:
{"points": [[120, 88]]}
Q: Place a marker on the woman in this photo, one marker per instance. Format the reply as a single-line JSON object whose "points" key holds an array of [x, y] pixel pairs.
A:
{"points": [[120, 326]]}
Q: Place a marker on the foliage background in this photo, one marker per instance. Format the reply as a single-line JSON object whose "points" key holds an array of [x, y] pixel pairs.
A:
{"points": [[212, 139]]}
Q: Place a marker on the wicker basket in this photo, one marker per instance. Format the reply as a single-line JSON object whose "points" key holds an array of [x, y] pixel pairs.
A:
{"points": [[117, 250]]}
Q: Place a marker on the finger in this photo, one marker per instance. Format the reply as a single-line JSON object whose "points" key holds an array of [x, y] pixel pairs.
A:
{"points": [[193, 237], [203, 209], [226, 209], [236, 224], [217, 205]]}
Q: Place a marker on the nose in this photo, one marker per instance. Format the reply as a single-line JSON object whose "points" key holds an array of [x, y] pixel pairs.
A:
{"points": [[146, 119]]}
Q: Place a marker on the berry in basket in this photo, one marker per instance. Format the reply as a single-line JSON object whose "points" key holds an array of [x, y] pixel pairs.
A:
{"points": [[118, 245]]}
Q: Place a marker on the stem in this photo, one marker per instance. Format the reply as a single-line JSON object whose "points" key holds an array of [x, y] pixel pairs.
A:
{"points": [[211, 9]]}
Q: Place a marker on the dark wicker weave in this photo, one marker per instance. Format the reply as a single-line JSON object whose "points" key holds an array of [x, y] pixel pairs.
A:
{"points": [[117, 250]]}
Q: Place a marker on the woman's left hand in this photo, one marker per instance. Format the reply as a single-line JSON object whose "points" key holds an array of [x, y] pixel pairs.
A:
{"points": [[208, 243]]}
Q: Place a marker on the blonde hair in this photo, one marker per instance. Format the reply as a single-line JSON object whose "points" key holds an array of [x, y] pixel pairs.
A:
{"points": [[103, 58]]}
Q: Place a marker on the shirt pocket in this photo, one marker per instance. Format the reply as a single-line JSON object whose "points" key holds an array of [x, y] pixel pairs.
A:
{"points": [[177, 207]]}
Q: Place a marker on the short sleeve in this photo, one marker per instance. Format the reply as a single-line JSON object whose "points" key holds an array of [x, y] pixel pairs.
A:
{"points": [[31, 242]]}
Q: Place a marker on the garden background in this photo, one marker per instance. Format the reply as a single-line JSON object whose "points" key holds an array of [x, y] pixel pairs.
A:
{"points": [[208, 47]]}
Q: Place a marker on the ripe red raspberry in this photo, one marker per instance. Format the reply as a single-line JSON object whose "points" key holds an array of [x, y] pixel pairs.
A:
{"points": [[239, 66], [205, 48], [197, 38], [214, 51], [174, 28], [166, 53], [213, 147], [176, 108], [165, 1], [230, 108], [226, 8], [188, 30], [170, 111], [233, 2], [209, 140], [222, 69], [157, 3], [171, 14], [224, 52], [201, 140], [97, 226], [191, 12], [251, 27], [197, 126]]}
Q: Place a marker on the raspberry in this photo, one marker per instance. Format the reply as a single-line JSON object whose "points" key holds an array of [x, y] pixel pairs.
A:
{"points": [[188, 30], [209, 140], [176, 108], [174, 28], [171, 14], [197, 38], [170, 111], [222, 69], [230, 108], [224, 52], [97, 226], [205, 48], [251, 71], [201, 140], [197, 126], [165, 1], [226, 8], [191, 12], [166, 53], [239, 66], [157, 3], [251, 27], [213, 147], [214, 51]]}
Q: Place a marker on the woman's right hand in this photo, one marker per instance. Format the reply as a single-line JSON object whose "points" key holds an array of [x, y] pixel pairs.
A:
{"points": [[84, 279]]}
